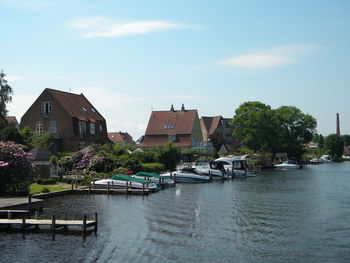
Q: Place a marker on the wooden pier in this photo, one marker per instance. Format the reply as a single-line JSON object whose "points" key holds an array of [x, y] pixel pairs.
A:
{"points": [[52, 223]]}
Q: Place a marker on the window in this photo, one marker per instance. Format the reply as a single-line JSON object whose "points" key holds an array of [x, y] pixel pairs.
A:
{"points": [[82, 128], [172, 138], [46, 107], [84, 109], [93, 109], [169, 126], [39, 127], [100, 128], [92, 128], [52, 127]]}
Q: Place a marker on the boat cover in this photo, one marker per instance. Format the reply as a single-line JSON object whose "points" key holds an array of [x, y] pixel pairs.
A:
{"points": [[124, 177], [154, 175]]}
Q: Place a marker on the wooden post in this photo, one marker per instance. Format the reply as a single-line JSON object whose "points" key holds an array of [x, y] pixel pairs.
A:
{"points": [[93, 183], [29, 203], [84, 224], [76, 183], [53, 224], [223, 174], [210, 176], [108, 188], [126, 189], [89, 188], [228, 173], [96, 221], [112, 185], [72, 185], [23, 226], [143, 189]]}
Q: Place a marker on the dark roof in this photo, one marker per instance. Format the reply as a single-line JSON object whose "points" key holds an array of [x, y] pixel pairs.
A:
{"points": [[171, 122], [211, 123], [77, 105], [39, 153], [120, 137]]}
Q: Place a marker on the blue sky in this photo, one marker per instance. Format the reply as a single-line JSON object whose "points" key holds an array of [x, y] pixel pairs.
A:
{"points": [[128, 57]]}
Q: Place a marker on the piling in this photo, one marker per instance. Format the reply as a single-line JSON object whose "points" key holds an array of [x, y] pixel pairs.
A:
{"points": [[29, 203], [84, 224], [95, 222], [53, 223], [23, 226], [108, 188]]}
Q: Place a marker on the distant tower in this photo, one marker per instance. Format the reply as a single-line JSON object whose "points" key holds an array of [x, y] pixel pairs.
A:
{"points": [[338, 125]]}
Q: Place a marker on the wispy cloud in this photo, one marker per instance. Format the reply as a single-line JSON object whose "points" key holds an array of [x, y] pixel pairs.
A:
{"points": [[181, 97], [272, 57], [95, 27]]}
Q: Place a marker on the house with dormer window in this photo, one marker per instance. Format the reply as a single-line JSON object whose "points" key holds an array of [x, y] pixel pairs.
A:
{"points": [[71, 120], [180, 127]]}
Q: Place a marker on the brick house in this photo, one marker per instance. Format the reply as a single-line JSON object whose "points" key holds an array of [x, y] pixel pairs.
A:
{"points": [[218, 130], [71, 119], [180, 127], [120, 137]]}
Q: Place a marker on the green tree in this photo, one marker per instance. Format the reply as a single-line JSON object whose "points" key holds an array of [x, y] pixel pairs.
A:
{"points": [[335, 146], [297, 129], [5, 95], [169, 155], [257, 128], [346, 139]]}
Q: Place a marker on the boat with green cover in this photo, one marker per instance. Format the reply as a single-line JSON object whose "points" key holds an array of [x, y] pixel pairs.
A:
{"points": [[154, 178], [124, 181]]}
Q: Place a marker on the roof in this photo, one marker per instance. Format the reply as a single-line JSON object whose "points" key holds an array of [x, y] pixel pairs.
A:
{"points": [[11, 119], [211, 123], [120, 137], [171, 122], [77, 105], [39, 153]]}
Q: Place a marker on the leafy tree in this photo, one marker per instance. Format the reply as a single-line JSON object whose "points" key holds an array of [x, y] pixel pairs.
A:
{"points": [[263, 129], [16, 170], [10, 133], [346, 139], [321, 142], [256, 127], [169, 155], [5, 95], [335, 146], [297, 129]]}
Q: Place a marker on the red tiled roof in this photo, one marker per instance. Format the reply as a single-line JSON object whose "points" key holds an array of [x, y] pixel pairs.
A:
{"points": [[211, 123], [76, 105], [120, 137], [155, 140], [171, 122]]}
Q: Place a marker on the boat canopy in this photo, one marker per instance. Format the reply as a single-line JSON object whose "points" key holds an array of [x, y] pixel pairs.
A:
{"points": [[124, 177], [154, 175]]}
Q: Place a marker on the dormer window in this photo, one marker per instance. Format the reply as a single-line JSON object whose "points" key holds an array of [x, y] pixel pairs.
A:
{"points": [[93, 109], [169, 126], [46, 107], [84, 109]]}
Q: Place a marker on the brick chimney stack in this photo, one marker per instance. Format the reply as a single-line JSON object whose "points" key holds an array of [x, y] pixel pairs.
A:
{"points": [[338, 125]]}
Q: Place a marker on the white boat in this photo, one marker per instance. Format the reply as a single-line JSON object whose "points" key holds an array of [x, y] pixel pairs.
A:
{"points": [[124, 183], [237, 166], [154, 178], [290, 164], [316, 160], [187, 175], [326, 159], [215, 174]]}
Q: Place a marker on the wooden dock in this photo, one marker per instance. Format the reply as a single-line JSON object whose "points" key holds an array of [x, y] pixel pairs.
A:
{"points": [[52, 223]]}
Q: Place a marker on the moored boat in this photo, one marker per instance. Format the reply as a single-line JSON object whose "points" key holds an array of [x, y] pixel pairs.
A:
{"points": [[124, 181], [187, 175], [290, 164]]}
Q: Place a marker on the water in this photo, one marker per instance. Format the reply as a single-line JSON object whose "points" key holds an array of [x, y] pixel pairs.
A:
{"points": [[278, 216]]}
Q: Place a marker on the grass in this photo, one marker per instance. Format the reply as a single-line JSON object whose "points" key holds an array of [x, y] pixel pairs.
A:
{"points": [[40, 188]]}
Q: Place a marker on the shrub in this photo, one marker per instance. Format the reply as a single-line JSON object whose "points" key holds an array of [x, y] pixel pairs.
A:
{"points": [[16, 170], [45, 190], [153, 167]]}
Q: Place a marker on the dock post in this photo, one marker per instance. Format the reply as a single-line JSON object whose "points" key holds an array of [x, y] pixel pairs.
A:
{"points": [[84, 224], [76, 183], [53, 223], [89, 188], [228, 173], [93, 183], [96, 222], [143, 189], [112, 185], [222, 174], [210, 176], [126, 189], [72, 185], [29, 203], [23, 226], [108, 188]]}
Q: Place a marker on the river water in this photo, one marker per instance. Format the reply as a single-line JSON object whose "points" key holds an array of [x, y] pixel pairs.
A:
{"points": [[278, 216]]}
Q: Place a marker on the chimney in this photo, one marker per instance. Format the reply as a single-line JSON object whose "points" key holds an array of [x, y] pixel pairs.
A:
{"points": [[183, 107], [338, 125], [172, 108]]}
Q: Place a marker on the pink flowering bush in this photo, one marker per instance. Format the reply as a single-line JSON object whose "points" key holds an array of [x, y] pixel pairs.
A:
{"points": [[16, 169]]}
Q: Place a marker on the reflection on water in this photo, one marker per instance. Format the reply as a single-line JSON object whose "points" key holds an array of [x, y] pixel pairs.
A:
{"points": [[278, 216]]}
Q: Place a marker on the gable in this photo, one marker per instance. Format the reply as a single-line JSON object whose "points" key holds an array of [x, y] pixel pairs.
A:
{"points": [[171, 122]]}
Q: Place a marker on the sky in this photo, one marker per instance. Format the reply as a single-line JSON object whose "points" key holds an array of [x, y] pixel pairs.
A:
{"points": [[131, 57]]}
